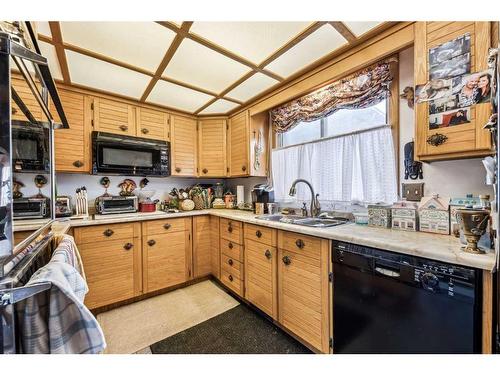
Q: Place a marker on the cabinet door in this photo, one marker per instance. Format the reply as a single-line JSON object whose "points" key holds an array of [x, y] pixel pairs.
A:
{"points": [[464, 140], [303, 293], [261, 276], [111, 116], [153, 124], [166, 260], [238, 145], [212, 148], [113, 270], [184, 135], [215, 246], [72, 146], [24, 92], [201, 246]]}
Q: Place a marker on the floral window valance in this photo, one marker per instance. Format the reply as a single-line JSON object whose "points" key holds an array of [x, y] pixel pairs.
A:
{"points": [[360, 90]]}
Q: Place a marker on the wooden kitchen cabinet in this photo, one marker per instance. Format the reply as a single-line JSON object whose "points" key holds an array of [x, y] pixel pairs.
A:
{"points": [[212, 147], [303, 287], [247, 139], [111, 255], [261, 279], [202, 243], [460, 141], [215, 246], [24, 92], [112, 116], [152, 124], [166, 253], [72, 146], [184, 146], [231, 269]]}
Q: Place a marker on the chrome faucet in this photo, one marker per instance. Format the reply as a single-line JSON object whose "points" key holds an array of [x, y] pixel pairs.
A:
{"points": [[315, 207]]}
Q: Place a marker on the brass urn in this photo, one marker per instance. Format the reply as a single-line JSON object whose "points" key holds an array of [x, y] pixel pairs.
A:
{"points": [[473, 223]]}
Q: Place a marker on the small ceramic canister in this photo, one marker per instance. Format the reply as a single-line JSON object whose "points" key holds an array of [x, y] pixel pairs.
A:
{"points": [[259, 208]]}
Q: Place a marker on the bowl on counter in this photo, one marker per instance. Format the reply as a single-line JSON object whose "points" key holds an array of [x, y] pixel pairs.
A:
{"points": [[361, 217]]}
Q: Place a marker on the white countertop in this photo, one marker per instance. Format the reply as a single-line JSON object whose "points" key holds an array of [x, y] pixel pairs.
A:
{"points": [[426, 245]]}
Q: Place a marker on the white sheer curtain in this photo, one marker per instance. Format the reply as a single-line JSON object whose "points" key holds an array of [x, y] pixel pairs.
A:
{"points": [[353, 168]]}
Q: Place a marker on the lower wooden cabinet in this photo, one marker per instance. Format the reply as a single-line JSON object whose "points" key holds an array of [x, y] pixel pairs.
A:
{"points": [[215, 246], [202, 252], [166, 259], [112, 262], [303, 287]]}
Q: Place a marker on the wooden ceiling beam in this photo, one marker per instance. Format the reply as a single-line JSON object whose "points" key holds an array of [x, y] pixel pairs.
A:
{"points": [[344, 31], [57, 41]]}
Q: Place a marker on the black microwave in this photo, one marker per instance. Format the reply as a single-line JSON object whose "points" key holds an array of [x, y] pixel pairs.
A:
{"points": [[30, 147], [129, 156]]}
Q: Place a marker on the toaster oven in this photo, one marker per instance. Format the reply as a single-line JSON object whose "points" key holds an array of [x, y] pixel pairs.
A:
{"points": [[31, 208], [116, 204]]}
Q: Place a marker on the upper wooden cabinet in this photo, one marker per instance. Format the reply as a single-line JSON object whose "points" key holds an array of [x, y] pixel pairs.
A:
{"points": [[212, 147], [460, 141], [112, 116], [24, 92], [184, 150], [152, 124], [72, 146], [247, 145]]}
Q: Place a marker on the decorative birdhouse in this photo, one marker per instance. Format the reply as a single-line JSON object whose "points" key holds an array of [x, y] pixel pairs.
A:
{"points": [[405, 216], [379, 215], [434, 214]]}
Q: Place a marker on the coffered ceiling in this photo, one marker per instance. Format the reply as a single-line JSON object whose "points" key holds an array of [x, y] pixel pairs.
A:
{"points": [[196, 67]]}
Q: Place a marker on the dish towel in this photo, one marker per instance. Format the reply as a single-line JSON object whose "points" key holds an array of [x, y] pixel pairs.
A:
{"points": [[57, 321]]}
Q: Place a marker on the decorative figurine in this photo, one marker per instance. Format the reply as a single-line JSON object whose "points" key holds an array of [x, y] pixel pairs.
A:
{"points": [[409, 95], [128, 186], [434, 214], [40, 182], [457, 203], [16, 189], [473, 224], [105, 182], [379, 215], [404, 216], [413, 169]]}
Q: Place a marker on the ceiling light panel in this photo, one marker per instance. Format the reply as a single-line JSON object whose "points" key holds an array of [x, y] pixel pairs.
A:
{"points": [[219, 106], [251, 87], [323, 41], [142, 44], [179, 97], [101, 75], [49, 51], [202, 67], [359, 28], [254, 41], [43, 28]]}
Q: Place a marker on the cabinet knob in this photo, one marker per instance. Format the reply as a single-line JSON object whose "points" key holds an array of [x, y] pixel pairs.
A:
{"points": [[151, 242], [108, 232], [230, 262], [177, 169], [230, 245], [230, 228], [78, 164], [437, 139], [268, 254], [244, 168], [300, 244], [167, 226], [287, 260], [205, 170], [145, 131], [14, 111], [128, 246], [230, 277], [123, 128], [258, 234]]}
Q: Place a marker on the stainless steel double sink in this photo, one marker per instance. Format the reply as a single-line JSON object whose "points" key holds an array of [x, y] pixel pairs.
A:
{"points": [[316, 222]]}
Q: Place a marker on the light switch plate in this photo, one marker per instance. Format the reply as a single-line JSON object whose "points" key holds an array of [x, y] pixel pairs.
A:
{"points": [[413, 192]]}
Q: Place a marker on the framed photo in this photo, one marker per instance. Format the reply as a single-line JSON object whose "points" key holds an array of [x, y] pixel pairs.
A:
{"points": [[434, 89], [445, 104], [449, 50], [450, 118], [453, 67], [472, 88]]}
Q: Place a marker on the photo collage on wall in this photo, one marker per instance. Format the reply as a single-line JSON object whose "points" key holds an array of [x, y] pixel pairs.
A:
{"points": [[452, 89]]}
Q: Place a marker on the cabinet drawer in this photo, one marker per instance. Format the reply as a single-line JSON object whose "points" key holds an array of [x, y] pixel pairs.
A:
{"points": [[109, 232], [260, 234], [231, 230], [232, 282], [306, 245], [231, 249], [166, 226], [232, 266]]}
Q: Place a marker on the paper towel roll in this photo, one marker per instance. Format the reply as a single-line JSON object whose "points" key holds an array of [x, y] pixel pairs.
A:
{"points": [[240, 194]]}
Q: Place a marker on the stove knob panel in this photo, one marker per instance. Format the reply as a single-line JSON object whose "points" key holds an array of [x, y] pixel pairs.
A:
{"points": [[429, 281]]}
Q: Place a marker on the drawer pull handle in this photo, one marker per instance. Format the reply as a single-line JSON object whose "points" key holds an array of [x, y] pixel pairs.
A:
{"points": [[123, 128], [287, 260], [205, 170], [230, 262], [78, 164], [128, 246], [167, 226], [108, 232], [230, 277], [230, 228], [230, 245], [177, 169], [300, 244], [268, 254], [437, 139], [145, 131], [244, 168], [151, 242], [258, 234]]}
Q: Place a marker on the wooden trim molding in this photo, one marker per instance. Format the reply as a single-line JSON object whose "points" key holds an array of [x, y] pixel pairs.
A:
{"points": [[55, 29]]}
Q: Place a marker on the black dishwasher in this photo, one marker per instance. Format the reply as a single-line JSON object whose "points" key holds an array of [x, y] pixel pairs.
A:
{"points": [[385, 302]]}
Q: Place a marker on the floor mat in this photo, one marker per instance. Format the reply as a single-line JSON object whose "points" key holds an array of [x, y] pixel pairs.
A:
{"points": [[237, 331]]}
